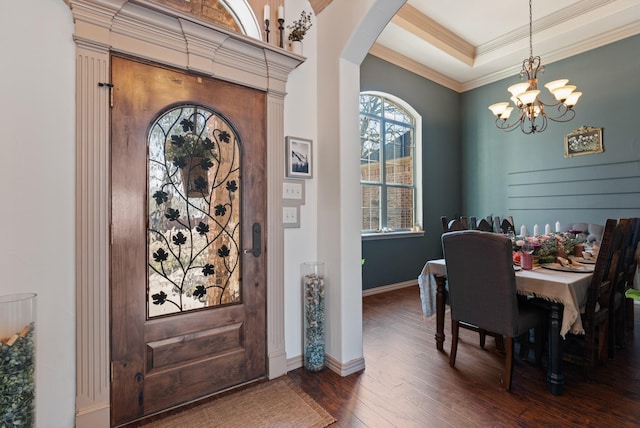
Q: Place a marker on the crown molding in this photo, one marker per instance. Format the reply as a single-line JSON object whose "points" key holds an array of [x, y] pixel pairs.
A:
{"points": [[413, 66], [554, 22], [591, 43], [411, 19]]}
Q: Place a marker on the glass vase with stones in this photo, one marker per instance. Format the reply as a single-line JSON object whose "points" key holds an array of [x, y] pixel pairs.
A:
{"points": [[17, 360], [313, 293]]}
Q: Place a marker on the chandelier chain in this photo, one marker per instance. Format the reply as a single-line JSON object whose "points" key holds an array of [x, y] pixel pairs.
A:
{"points": [[530, 30]]}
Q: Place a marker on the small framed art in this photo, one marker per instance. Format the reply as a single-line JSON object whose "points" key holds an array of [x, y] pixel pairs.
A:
{"points": [[583, 141], [299, 157]]}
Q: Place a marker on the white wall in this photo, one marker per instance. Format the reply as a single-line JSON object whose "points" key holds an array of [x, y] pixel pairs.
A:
{"points": [[300, 120], [37, 189]]}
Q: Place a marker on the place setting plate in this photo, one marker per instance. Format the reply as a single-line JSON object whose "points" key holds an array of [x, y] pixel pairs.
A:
{"points": [[584, 261], [571, 268]]}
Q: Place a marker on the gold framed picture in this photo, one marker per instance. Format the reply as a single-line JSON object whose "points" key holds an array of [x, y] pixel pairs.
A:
{"points": [[583, 141]]}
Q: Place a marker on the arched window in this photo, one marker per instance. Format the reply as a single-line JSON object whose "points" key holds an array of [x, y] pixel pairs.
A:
{"points": [[390, 177]]}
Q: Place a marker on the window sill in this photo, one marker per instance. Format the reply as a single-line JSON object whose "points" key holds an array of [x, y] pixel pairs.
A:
{"points": [[374, 236]]}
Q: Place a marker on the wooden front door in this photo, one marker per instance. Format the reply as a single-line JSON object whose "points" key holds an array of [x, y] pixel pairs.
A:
{"points": [[188, 280]]}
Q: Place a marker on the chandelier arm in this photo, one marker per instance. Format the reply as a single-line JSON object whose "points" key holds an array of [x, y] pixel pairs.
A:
{"points": [[567, 115], [506, 126]]}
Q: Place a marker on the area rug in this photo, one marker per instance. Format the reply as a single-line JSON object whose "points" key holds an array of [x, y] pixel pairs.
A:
{"points": [[277, 403]]}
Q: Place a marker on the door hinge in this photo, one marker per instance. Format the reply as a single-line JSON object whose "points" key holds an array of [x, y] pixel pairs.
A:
{"points": [[110, 87], [110, 233], [111, 374]]}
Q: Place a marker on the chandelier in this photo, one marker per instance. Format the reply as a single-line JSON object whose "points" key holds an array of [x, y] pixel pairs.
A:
{"points": [[533, 114]]}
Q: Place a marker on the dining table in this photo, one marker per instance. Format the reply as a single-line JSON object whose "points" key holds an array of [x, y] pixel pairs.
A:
{"points": [[563, 292]]}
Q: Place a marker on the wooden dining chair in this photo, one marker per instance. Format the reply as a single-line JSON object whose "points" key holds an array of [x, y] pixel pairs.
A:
{"points": [[482, 287], [621, 277], [484, 226], [591, 347], [505, 225], [456, 223]]}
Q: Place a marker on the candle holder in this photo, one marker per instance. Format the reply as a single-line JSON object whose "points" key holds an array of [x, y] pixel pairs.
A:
{"points": [[281, 28], [266, 29]]}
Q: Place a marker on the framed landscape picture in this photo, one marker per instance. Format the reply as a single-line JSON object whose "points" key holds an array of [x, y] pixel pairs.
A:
{"points": [[299, 157], [583, 141]]}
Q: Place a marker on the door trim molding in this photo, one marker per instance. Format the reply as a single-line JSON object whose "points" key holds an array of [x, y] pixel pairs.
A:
{"points": [[148, 31]]}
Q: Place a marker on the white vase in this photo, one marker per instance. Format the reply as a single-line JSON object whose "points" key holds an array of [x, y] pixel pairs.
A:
{"points": [[296, 47]]}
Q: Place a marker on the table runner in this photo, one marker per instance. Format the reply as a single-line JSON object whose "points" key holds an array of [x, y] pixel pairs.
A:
{"points": [[568, 288]]}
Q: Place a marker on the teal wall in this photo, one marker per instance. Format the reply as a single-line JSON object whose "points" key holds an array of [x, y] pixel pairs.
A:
{"points": [[528, 177], [472, 168], [391, 261]]}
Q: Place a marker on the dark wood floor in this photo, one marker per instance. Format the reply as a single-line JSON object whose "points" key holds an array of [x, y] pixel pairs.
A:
{"points": [[407, 383]]}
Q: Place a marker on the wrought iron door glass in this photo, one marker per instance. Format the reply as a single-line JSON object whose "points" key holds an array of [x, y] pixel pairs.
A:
{"points": [[194, 212]]}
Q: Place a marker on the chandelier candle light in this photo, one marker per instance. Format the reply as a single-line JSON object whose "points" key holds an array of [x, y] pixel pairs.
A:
{"points": [[532, 116]]}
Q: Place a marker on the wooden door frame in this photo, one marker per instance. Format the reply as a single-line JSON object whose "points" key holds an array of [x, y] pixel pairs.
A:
{"points": [[103, 26]]}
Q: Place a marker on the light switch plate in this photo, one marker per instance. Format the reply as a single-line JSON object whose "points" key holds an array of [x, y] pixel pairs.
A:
{"points": [[293, 192], [291, 217]]}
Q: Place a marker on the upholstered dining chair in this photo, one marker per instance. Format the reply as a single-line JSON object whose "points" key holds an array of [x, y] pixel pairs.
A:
{"points": [[457, 224], [482, 289]]}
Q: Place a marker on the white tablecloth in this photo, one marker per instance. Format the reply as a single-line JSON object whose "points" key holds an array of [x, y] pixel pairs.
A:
{"points": [[568, 288]]}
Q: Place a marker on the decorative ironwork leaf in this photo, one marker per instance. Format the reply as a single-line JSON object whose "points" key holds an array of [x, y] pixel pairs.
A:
{"points": [[160, 197], [207, 144], [224, 136], [187, 125], [177, 140], [199, 292], [232, 186], [160, 298], [160, 255], [200, 184], [223, 251], [220, 210], [205, 164], [202, 228], [208, 269], [179, 239], [172, 214], [179, 162]]}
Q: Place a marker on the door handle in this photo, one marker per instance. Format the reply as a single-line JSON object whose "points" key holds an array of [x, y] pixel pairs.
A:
{"points": [[256, 234]]}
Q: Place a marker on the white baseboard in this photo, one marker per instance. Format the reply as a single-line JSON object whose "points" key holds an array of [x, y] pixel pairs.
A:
{"points": [[334, 365], [96, 416], [347, 368], [385, 288]]}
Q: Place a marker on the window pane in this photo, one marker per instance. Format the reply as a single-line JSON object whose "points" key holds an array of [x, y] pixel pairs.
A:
{"points": [[370, 207], [399, 154], [369, 149], [194, 212], [399, 208], [394, 112], [370, 104], [387, 150]]}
